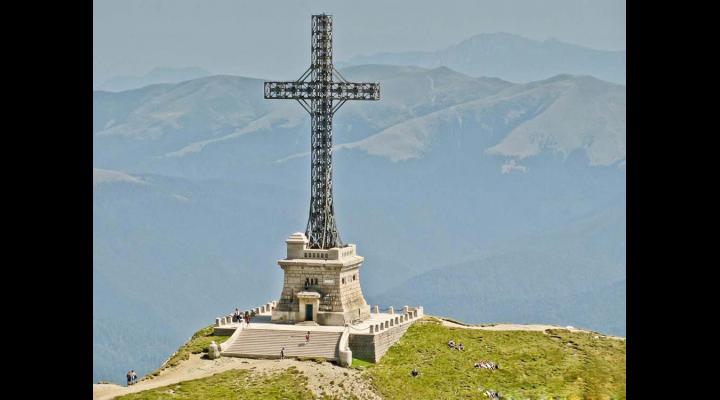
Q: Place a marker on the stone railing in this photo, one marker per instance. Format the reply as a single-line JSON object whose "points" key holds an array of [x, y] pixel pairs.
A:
{"points": [[374, 342], [335, 253], [409, 314], [228, 319], [297, 248], [344, 352]]}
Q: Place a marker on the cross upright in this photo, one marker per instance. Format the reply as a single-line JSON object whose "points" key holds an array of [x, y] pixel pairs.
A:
{"points": [[321, 91]]}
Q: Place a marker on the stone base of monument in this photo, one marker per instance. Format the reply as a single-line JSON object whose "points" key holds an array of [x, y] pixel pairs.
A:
{"points": [[321, 312], [367, 340], [321, 285]]}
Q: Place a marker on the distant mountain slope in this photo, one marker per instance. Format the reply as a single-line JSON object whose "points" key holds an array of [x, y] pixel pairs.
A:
{"points": [[425, 145], [574, 275], [155, 76], [171, 254], [187, 128], [510, 57], [562, 114]]}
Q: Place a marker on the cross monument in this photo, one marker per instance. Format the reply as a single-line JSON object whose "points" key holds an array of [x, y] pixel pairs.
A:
{"points": [[322, 281]]}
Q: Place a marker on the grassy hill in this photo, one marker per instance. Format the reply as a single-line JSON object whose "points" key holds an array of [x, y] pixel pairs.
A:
{"points": [[233, 384], [532, 365], [555, 363]]}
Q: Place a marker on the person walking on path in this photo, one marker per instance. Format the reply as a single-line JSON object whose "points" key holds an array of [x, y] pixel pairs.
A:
{"points": [[307, 337], [133, 376], [129, 378], [282, 353]]}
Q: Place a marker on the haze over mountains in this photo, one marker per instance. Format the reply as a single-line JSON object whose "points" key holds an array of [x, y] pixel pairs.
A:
{"points": [[503, 55], [156, 75], [479, 198], [511, 57]]}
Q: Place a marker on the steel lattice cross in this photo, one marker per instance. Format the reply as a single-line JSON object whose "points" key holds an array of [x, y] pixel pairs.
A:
{"points": [[321, 91]]}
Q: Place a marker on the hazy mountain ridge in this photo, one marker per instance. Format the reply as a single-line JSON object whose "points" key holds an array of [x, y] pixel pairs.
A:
{"points": [[215, 203], [170, 254], [101, 176], [542, 278], [154, 76], [563, 114], [155, 131], [510, 57]]}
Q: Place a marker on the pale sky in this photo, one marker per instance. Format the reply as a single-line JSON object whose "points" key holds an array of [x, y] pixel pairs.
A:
{"points": [[271, 38]]}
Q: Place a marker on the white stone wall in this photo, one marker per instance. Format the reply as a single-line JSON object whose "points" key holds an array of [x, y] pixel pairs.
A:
{"points": [[373, 346]]}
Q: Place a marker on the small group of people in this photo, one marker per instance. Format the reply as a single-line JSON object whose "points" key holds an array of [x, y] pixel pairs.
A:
{"points": [[479, 364], [491, 394], [310, 282], [131, 377], [486, 365], [451, 345], [239, 316]]}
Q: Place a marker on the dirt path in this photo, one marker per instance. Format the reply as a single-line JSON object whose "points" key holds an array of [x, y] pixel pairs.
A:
{"points": [[346, 381], [518, 327]]}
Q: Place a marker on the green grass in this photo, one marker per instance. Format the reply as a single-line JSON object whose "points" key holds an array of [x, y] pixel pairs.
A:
{"points": [[361, 364], [234, 384], [533, 365], [198, 343]]}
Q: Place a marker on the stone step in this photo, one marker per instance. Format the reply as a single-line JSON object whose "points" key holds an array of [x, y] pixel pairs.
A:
{"points": [[302, 346], [267, 343], [307, 323]]}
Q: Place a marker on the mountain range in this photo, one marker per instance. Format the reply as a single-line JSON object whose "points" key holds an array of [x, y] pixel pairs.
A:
{"points": [[510, 57], [476, 197], [154, 76]]}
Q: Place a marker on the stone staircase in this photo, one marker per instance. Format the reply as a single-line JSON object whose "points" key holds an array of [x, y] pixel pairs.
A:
{"points": [[267, 343]]}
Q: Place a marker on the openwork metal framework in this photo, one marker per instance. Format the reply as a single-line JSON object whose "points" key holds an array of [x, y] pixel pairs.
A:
{"points": [[316, 96]]}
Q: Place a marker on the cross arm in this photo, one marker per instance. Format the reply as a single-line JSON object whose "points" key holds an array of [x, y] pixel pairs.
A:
{"points": [[313, 90], [355, 91], [289, 90]]}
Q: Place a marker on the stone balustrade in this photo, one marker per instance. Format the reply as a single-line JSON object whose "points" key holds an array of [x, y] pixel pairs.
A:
{"points": [[343, 350], [380, 336], [409, 314], [228, 319]]}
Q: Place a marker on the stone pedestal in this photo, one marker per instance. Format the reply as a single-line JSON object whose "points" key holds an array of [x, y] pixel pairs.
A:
{"points": [[323, 284], [213, 351]]}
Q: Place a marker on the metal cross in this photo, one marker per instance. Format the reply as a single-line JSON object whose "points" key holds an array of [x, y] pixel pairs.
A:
{"points": [[321, 91]]}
